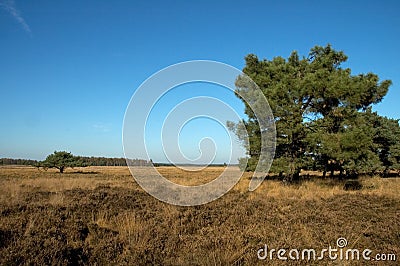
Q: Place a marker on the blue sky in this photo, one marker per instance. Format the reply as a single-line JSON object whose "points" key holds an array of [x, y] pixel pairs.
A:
{"points": [[69, 68]]}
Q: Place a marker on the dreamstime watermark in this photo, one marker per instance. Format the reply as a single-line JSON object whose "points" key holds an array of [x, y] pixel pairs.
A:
{"points": [[154, 89], [340, 252]]}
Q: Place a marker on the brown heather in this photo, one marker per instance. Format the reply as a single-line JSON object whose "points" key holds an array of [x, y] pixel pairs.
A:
{"points": [[100, 216]]}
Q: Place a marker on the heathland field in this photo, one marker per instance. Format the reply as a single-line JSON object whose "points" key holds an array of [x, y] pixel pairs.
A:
{"points": [[100, 216]]}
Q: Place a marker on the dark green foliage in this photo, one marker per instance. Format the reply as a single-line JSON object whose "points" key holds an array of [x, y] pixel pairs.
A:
{"points": [[10, 161], [387, 141], [89, 161], [61, 160], [104, 161], [322, 114]]}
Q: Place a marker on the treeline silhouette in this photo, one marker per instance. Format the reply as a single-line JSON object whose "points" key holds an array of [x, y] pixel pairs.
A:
{"points": [[97, 161], [88, 161], [10, 161], [103, 161]]}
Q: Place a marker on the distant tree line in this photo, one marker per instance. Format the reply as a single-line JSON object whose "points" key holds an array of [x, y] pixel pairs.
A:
{"points": [[171, 164], [87, 161], [10, 161], [104, 161]]}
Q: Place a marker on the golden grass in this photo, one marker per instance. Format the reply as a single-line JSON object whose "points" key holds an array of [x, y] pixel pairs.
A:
{"points": [[226, 231], [15, 181], [190, 177]]}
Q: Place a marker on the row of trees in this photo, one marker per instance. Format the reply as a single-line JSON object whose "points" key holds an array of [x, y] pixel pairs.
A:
{"points": [[10, 161], [63, 159], [104, 161], [323, 116]]}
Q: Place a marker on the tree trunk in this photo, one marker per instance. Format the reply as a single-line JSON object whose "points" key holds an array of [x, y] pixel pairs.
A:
{"points": [[296, 176], [61, 169], [325, 167]]}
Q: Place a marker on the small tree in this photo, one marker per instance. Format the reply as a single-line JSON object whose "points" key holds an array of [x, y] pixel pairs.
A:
{"points": [[61, 160]]}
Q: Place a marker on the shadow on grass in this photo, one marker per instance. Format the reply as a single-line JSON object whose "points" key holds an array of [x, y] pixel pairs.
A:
{"points": [[328, 182], [393, 174], [81, 173]]}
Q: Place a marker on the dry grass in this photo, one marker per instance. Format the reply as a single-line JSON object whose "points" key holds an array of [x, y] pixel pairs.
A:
{"points": [[99, 215], [17, 180]]}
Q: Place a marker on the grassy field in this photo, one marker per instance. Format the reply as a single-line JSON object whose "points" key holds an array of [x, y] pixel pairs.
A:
{"points": [[99, 215]]}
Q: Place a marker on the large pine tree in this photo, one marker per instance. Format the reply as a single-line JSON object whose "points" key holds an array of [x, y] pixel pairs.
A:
{"points": [[322, 114]]}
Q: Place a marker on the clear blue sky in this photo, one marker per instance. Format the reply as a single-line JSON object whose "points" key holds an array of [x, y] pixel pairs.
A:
{"points": [[69, 68]]}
